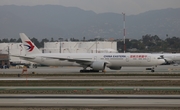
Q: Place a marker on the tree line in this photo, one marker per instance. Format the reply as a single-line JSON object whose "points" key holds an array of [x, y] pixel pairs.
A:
{"points": [[147, 43]]}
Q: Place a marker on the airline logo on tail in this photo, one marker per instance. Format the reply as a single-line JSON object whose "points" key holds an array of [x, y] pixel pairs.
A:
{"points": [[29, 46]]}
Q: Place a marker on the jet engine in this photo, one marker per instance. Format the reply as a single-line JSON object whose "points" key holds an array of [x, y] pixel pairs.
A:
{"points": [[115, 67], [97, 65]]}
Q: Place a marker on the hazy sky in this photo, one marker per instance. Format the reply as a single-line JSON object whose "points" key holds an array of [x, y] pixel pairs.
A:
{"points": [[100, 6]]}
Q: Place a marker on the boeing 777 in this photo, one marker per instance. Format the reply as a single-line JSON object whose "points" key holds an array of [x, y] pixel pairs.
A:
{"points": [[96, 61]]}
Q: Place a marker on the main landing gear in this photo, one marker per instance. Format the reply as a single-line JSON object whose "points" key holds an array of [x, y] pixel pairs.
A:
{"points": [[85, 70], [152, 69], [88, 71]]}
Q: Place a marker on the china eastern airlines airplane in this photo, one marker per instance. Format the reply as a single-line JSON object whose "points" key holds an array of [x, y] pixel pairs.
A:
{"points": [[96, 61]]}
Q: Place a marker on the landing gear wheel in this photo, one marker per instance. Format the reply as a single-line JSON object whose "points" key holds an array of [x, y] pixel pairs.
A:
{"points": [[87, 71], [152, 71]]}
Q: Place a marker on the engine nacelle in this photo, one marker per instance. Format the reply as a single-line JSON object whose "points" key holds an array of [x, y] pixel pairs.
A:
{"points": [[97, 65], [115, 67]]}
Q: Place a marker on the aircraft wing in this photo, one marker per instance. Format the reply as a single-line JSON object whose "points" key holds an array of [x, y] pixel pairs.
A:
{"points": [[77, 60], [23, 57]]}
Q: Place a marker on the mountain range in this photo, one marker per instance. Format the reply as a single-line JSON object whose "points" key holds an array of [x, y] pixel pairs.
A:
{"points": [[55, 21]]}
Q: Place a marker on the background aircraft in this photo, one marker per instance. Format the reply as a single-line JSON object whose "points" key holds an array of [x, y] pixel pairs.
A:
{"points": [[171, 58]]}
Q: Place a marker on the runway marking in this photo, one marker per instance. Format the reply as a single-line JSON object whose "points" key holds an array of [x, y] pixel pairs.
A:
{"points": [[19, 79], [93, 88], [82, 79]]}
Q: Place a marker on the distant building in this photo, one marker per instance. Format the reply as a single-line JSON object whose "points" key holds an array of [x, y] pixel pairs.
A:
{"points": [[133, 50], [80, 47], [13, 49], [4, 60]]}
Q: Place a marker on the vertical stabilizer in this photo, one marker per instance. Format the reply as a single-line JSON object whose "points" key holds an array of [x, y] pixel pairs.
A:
{"points": [[30, 48]]}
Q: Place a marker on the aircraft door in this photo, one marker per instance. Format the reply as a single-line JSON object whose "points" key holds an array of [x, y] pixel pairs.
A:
{"points": [[127, 58], [173, 57], [95, 58], [43, 59], [149, 59]]}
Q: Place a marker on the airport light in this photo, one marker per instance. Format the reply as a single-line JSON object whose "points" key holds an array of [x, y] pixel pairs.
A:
{"points": [[97, 38], [60, 44], [124, 19], [96, 45]]}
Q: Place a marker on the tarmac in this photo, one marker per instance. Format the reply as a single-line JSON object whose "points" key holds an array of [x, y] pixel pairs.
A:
{"points": [[75, 70]]}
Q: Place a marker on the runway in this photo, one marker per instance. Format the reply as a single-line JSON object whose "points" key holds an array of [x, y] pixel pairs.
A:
{"points": [[59, 100], [165, 69], [91, 100]]}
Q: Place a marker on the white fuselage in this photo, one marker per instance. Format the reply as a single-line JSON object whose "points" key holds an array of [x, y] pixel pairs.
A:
{"points": [[113, 59]]}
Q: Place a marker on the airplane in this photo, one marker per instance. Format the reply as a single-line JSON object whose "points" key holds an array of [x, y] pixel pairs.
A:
{"points": [[96, 61], [171, 58]]}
